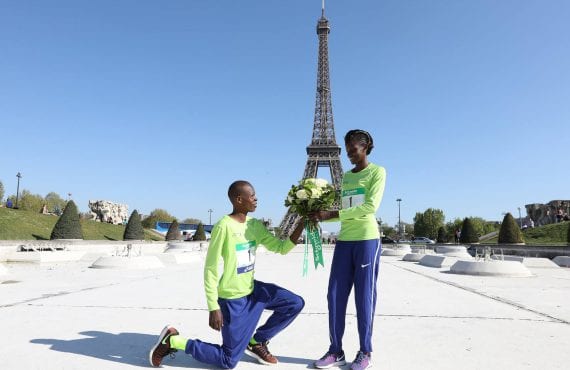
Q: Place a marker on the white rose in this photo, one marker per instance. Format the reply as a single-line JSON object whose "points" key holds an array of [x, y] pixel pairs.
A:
{"points": [[310, 181], [321, 183], [289, 198], [302, 194], [316, 193]]}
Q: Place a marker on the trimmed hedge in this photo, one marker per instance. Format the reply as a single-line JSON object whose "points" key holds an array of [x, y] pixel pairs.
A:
{"points": [[68, 225], [510, 232], [442, 235], [468, 234], [134, 229], [200, 233], [173, 232]]}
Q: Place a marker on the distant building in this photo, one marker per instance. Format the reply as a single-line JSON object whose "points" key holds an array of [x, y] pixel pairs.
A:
{"points": [[186, 230]]}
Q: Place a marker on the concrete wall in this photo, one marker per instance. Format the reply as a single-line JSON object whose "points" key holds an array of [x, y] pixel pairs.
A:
{"points": [[93, 246], [542, 251]]}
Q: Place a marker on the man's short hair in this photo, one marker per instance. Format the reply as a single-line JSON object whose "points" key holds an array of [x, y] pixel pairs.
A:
{"points": [[236, 187]]}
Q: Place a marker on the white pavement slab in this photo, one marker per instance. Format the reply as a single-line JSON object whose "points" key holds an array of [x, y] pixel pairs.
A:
{"points": [[69, 316]]}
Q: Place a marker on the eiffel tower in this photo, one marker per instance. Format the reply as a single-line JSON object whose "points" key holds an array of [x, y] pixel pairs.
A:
{"points": [[323, 150]]}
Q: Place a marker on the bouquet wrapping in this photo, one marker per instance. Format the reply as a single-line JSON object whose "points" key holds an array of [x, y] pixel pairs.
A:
{"points": [[311, 195]]}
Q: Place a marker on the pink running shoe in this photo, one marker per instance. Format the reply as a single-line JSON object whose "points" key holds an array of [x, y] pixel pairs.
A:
{"points": [[329, 360], [361, 362]]}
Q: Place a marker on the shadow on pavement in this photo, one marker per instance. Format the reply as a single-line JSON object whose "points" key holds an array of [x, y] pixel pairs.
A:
{"points": [[297, 360], [127, 348], [133, 349], [283, 360]]}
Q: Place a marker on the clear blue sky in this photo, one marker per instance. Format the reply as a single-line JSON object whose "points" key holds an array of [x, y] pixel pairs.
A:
{"points": [[162, 104]]}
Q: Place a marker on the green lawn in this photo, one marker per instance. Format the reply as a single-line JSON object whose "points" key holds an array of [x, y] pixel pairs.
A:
{"points": [[553, 234], [26, 225]]}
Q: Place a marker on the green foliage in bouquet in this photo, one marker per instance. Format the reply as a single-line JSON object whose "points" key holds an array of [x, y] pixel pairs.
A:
{"points": [[311, 195]]}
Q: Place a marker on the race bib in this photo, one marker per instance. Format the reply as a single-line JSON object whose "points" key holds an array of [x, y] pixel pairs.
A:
{"points": [[245, 253], [352, 198]]}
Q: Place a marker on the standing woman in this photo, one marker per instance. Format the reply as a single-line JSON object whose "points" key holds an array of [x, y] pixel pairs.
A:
{"points": [[357, 252]]}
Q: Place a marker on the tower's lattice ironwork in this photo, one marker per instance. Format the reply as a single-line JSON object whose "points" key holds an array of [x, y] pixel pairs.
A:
{"points": [[323, 150]]}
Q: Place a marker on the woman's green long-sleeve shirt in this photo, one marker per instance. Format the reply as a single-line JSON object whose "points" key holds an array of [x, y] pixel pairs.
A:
{"points": [[361, 196]]}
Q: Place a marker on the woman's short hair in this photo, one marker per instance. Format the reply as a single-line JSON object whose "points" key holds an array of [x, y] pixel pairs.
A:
{"points": [[360, 136]]}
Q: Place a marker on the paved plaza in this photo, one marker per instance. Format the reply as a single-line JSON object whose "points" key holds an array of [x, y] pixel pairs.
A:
{"points": [[70, 316]]}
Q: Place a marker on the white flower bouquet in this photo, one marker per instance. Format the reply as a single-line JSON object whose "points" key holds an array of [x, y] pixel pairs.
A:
{"points": [[311, 195]]}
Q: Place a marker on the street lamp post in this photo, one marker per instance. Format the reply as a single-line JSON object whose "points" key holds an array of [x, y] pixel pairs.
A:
{"points": [[210, 212], [399, 220], [520, 219], [19, 176]]}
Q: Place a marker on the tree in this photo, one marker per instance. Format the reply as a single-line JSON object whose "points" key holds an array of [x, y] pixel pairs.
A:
{"points": [[427, 223], [54, 202], [200, 233], [157, 215], [442, 235], [389, 231], [468, 234], [568, 236], [173, 232], [191, 220], [28, 201], [510, 232], [482, 226], [419, 223], [134, 229], [68, 225], [1, 191], [453, 226]]}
